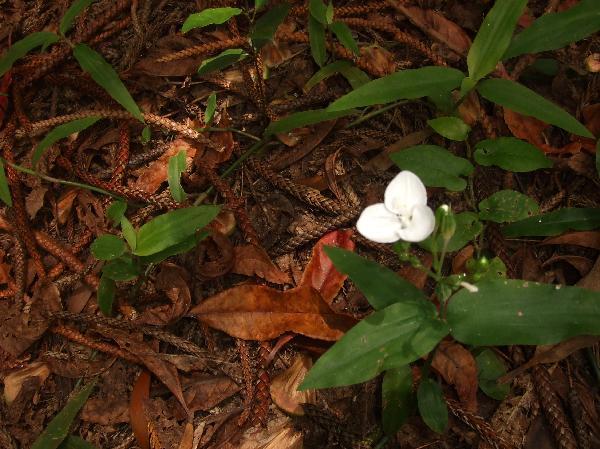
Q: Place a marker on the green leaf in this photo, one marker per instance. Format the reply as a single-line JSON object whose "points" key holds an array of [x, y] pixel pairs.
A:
{"points": [[211, 107], [301, 119], [451, 128], [354, 75], [318, 10], [468, 227], [74, 10], [432, 406], [209, 16], [344, 35], [172, 228], [57, 429], [264, 29], [406, 84], [493, 37], [397, 397], [259, 4], [175, 169], [511, 154], [516, 312], [129, 233], [180, 248], [106, 295], [121, 269], [555, 222], [222, 60], [60, 132], [146, 135], [75, 442], [24, 46], [490, 368], [388, 338], [507, 206], [436, 166], [380, 285], [108, 247], [116, 210], [520, 99], [329, 13], [316, 35], [4, 190], [103, 73], [556, 30]]}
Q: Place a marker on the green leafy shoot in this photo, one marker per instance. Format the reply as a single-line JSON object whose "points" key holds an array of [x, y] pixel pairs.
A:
{"points": [[432, 406], [74, 10], [507, 206], [397, 397], [116, 210], [318, 10], [259, 4], [316, 36], [209, 16], [146, 135], [121, 269], [106, 294], [353, 74], [304, 118], [222, 60], [58, 428], [4, 190], [105, 75], [265, 27], [489, 368], [24, 46], [451, 128], [60, 132], [344, 35], [129, 233], [211, 107], [555, 222], [108, 247], [176, 167], [510, 153]]}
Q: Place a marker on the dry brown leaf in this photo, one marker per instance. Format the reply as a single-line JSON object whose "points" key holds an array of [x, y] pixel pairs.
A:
{"points": [[378, 57], [13, 382], [470, 109], [591, 118], [202, 392], [137, 417], [458, 367], [280, 433], [187, 439], [588, 239], [415, 276], [591, 281], [75, 368], [173, 281], [284, 387], [35, 200], [582, 264], [252, 260], [460, 259], [106, 410], [150, 178]]}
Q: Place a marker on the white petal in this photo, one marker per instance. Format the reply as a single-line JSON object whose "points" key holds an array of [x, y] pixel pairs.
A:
{"points": [[404, 192], [420, 226], [378, 224]]}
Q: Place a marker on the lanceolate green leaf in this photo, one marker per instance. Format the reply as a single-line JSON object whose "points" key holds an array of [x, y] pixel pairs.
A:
{"points": [[104, 74], [106, 294], [380, 285], [432, 406], [556, 222], [179, 248], [451, 128], [60, 132], [344, 35], [507, 206], [318, 10], [406, 84], [490, 368], [172, 228], [516, 312], [121, 269], [25, 45], [316, 35], [211, 106], [175, 169], [209, 16], [265, 27], [4, 190], [107, 247], [388, 338], [222, 60], [556, 30], [74, 10], [304, 118], [436, 166], [397, 397], [493, 37], [510, 154], [354, 75], [520, 99], [57, 429]]}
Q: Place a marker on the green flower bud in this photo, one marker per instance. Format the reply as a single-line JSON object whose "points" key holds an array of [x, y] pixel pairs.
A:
{"points": [[444, 218]]}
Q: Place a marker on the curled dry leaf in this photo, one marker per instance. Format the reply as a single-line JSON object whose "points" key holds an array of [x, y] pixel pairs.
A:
{"points": [[458, 367], [215, 256], [582, 264], [13, 382], [150, 178], [378, 57], [251, 260], [173, 281], [65, 205], [35, 200], [588, 239], [284, 387]]}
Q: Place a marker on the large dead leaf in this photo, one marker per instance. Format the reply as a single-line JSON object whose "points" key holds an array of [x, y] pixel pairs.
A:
{"points": [[458, 367], [280, 433], [284, 387], [251, 260], [14, 381]]}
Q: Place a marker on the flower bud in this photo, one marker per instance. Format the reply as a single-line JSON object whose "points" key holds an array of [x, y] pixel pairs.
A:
{"points": [[446, 222]]}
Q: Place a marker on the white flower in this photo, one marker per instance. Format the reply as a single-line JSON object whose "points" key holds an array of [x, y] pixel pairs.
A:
{"points": [[404, 214]]}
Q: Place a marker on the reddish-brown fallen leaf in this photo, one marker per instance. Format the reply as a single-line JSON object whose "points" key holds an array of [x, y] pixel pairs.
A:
{"points": [[251, 260], [150, 178], [284, 387], [137, 417], [187, 439], [378, 57], [35, 200], [591, 281], [458, 367], [320, 273], [591, 118], [582, 264], [13, 382], [65, 205], [460, 259], [173, 281], [256, 312], [280, 433], [203, 392], [415, 276], [589, 239]]}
